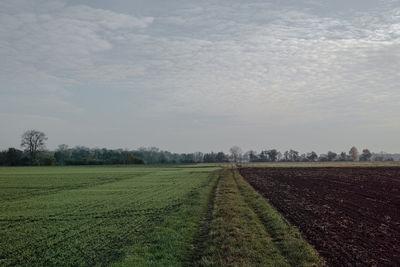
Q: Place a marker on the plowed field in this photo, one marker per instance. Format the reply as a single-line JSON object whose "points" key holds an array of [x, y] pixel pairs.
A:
{"points": [[350, 215]]}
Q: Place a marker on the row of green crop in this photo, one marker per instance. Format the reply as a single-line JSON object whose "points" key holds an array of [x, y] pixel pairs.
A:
{"points": [[97, 216]]}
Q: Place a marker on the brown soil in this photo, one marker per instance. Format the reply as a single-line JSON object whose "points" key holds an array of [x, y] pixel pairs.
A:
{"points": [[350, 215]]}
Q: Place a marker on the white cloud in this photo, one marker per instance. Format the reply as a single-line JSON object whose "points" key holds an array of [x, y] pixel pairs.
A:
{"points": [[103, 18], [48, 49], [253, 62]]}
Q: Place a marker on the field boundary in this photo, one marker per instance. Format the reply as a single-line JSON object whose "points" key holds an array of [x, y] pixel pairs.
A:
{"points": [[286, 238], [246, 231]]}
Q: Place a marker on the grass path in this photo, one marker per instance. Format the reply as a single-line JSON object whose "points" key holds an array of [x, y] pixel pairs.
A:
{"points": [[246, 231]]}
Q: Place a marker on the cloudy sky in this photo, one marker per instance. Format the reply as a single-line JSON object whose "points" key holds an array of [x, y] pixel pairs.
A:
{"points": [[189, 75]]}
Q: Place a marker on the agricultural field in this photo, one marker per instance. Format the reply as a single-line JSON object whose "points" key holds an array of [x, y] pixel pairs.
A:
{"points": [[199, 215], [190, 215], [350, 215], [120, 216]]}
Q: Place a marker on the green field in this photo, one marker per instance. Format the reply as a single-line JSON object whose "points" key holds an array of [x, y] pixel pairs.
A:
{"points": [[189, 215], [101, 215]]}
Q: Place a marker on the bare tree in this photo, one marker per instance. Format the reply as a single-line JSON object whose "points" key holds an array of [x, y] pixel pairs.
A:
{"points": [[33, 141], [236, 153], [353, 153]]}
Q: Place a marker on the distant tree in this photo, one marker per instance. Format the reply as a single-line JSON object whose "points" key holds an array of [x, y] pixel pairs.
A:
{"points": [[236, 153], [303, 157], [198, 157], [353, 153], [150, 155], [81, 155], [127, 157], [33, 141], [382, 156], [246, 156], [312, 156], [343, 156], [263, 156], [272, 155], [294, 155], [47, 159], [366, 155], [279, 156], [63, 154], [286, 156], [323, 157], [331, 156], [162, 158], [187, 158], [378, 158], [221, 157], [3, 158], [291, 155], [16, 157], [209, 157], [253, 156]]}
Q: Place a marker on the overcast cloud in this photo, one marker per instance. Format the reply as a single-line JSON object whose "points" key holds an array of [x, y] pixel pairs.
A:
{"points": [[202, 75]]}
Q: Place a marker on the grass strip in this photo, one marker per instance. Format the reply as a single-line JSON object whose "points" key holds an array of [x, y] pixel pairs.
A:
{"points": [[286, 238], [237, 237]]}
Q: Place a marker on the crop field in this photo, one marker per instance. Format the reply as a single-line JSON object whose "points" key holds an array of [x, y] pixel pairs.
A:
{"points": [[350, 215], [199, 215], [121, 216]]}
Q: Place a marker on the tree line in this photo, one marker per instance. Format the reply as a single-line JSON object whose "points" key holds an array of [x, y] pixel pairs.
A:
{"points": [[33, 152]]}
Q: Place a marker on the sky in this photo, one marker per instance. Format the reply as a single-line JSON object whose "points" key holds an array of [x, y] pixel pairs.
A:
{"points": [[202, 75]]}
